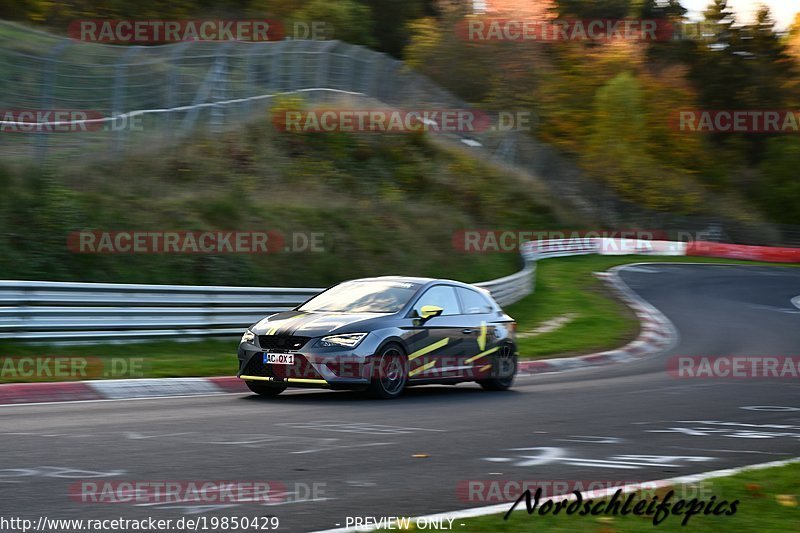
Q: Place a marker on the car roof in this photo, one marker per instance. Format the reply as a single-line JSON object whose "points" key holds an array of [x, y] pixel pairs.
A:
{"points": [[403, 279], [424, 283], [419, 281]]}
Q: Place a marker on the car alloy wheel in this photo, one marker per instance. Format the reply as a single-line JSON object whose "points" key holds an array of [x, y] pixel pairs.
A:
{"points": [[392, 373], [504, 368]]}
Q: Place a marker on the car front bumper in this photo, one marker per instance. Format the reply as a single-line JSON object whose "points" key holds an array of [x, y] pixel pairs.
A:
{"points": [[349, 368]]}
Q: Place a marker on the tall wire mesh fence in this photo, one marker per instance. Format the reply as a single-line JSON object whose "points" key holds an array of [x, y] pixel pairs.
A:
{"points": [[160, 94], [173, 90]]}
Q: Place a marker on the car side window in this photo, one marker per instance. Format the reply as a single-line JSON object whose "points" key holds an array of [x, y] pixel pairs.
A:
{"points": [[474, 303], [441, 296]]}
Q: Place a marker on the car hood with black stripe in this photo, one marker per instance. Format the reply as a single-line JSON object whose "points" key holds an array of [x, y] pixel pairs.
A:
{"points": [[319, 324]]}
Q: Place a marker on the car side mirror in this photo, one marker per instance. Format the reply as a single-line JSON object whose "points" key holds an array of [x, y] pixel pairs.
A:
{"points": [[429, 311]]}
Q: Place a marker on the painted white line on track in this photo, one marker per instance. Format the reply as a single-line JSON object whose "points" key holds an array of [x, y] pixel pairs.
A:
{"points": [[5, 405], [294, 392], [772, 308], [641, 269], [502, 508], [202, 395]]}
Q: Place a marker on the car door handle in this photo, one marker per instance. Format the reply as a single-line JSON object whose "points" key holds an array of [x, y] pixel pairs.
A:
{"points": [[467, 331]]}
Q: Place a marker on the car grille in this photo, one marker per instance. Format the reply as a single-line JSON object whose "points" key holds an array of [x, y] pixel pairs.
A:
{"points": [[282, 342], [301, 368]]}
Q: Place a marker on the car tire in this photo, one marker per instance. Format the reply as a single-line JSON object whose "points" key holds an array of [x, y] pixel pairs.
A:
{"points": [[504, 368], [391, 375], [263, 389]]}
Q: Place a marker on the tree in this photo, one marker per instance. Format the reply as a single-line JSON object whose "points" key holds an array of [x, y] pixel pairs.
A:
{"points": [[721, 16], [741, 67], [793, 49], [23, 9], [581, 9], [794, 37], [617, 151], [392, 17], [437, 50], [346, 20], [779, 189], [666, 53], [769, 62], [660, 9]]}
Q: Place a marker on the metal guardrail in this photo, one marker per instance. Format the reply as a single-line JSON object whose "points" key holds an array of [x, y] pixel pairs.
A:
{"points": [[52, 312], [64, 313], [56, 312], [512, 288], [534, 250]]}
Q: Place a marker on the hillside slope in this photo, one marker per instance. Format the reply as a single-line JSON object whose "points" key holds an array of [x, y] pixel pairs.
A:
{"points": [[385, 204]]}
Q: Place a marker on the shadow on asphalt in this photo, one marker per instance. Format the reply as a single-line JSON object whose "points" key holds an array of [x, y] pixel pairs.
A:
{"points": [[421, 394]]}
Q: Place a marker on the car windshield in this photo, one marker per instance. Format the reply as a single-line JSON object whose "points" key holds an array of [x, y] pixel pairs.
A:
{"points": [[363, 297]]}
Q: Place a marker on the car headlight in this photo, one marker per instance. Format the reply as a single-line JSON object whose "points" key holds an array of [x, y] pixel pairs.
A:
{"points": [[248, 337], [347, 340]]}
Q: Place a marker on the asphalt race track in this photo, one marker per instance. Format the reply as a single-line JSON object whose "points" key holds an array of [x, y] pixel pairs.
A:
{"points": [[631, 421]]}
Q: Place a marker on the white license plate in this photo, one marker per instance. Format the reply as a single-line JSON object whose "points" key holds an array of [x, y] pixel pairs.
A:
{"points": [[279, 358]]}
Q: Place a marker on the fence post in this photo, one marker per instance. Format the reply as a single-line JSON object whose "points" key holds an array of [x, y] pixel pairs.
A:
{"points": [[219, 89], [206, 89], [172, 84], [349, 52], [369, 73], [49, 82], [250, 69], [275, 70], [507, 149], [323, 67], [119, 96]]}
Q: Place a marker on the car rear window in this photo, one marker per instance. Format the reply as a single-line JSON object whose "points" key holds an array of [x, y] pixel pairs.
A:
{"points": [[473, 302]]}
